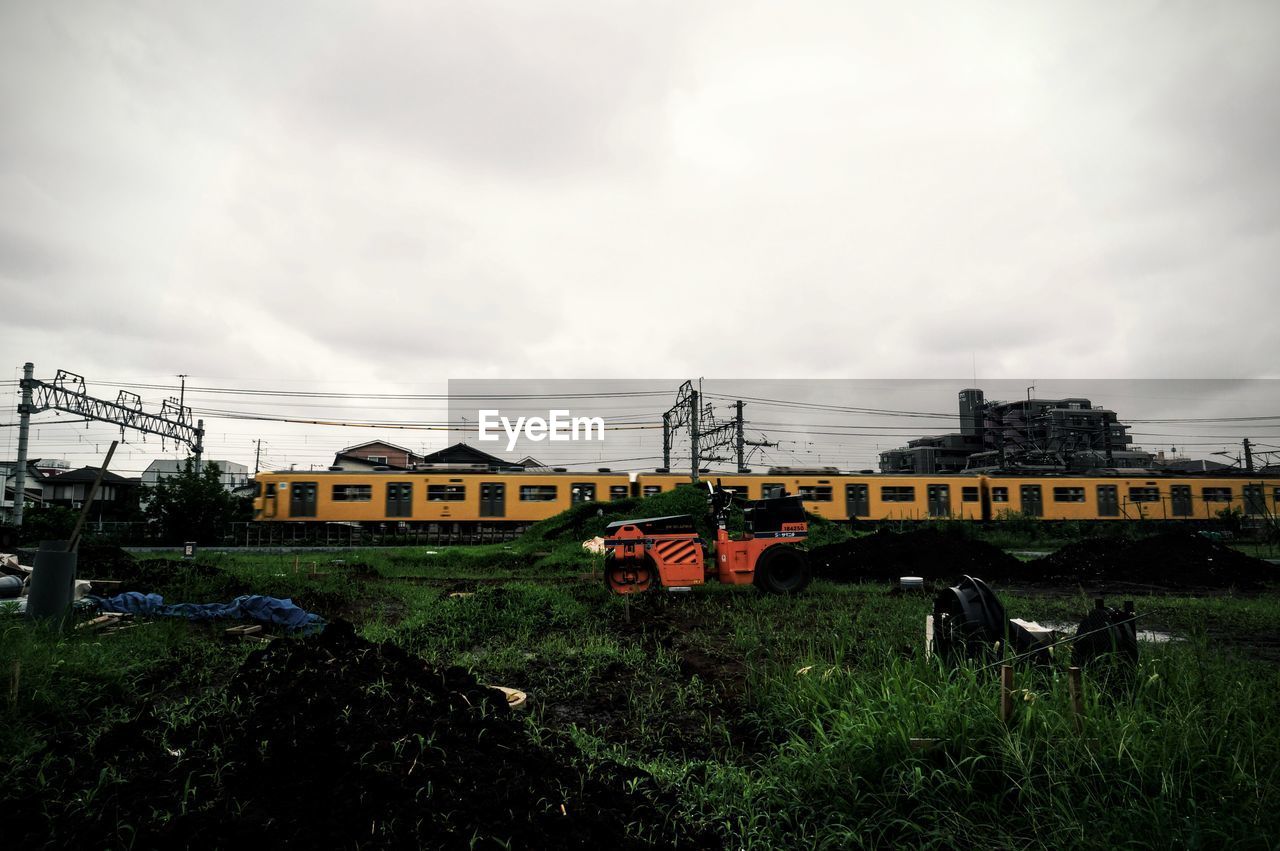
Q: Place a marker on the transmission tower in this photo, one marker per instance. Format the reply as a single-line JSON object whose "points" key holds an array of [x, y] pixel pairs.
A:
{"points": [[706, 433], [67, 392]]}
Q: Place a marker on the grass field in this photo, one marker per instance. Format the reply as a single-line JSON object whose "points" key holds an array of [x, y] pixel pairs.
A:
{"points": [[774, 722]]}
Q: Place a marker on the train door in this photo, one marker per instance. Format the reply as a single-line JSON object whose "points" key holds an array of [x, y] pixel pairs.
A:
{"points": [[269, 500], [493, 499], [583, 492], [1180, 497], [1032, 501], [1108, 501], [302, 499], [400, 499], [1254, 502], [857, 501], [939, 500]]}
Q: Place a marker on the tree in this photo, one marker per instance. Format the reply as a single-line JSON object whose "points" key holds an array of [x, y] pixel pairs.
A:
{"points": [[191, 506]]}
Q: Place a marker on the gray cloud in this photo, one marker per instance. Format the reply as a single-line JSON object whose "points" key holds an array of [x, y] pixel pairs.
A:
{"points": [[321, 194]]}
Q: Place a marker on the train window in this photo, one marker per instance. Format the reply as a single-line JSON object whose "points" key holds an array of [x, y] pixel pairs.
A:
{"points": [[739, 490], [537, 493], [968, 494], [1276, 495], [619, 492], [815, 493], [352, 493], [651, 490], [257, 488], [1068, 494], [446, 493], [583, 492], [999, 494], [1137, 494], [1217, 494], [897, 494], [772, 491]]}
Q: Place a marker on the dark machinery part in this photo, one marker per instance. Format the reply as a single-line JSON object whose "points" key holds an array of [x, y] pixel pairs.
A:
{"points": [[1106, 633], [968, 619], [969, 622], [782, 569]]}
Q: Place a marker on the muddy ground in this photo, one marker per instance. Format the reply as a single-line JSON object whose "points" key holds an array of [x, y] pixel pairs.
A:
{"points": [[333, 741], [1173, 561]]}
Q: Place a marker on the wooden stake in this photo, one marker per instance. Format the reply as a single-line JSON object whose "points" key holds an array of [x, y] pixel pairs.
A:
{"points": [[74, 540], [13, 683], [1077, 697], [1006, 693], [928, 637]]}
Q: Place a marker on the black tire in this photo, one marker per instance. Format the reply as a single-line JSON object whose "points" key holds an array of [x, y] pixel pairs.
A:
{"points": [[782, 569]]}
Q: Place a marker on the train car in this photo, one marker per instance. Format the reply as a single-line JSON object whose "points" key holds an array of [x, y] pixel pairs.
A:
{"points": [[1138, 496], [438, 496], [505, 503], [827, 493]]}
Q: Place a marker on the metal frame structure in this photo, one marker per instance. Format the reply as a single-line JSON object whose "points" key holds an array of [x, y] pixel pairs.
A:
{"points": [[67, 392]]}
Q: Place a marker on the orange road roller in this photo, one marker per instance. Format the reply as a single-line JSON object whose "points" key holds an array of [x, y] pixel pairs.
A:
{"points": [[644, 553]]}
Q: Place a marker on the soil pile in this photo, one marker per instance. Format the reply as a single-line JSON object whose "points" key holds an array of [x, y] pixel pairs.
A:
{"points": [[334, 741], [1168, 560], [103, 561], [927, 553]]}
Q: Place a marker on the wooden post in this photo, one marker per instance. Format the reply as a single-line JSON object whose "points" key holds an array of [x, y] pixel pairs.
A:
{"points": [[1077, 697], [13, 683], [928, 637], [74, 540], [1006, 693]]}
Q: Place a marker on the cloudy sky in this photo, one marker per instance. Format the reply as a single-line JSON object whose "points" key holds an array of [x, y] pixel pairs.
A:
{"points": [[377, 197]]}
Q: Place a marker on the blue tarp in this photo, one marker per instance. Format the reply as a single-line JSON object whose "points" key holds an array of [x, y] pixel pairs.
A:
{"points": [[253, 607]]}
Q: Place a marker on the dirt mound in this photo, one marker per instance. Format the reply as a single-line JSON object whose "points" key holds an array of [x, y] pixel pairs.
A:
{"points": [[103, 561], [1168, 560], [334, 741], [928, 553]]}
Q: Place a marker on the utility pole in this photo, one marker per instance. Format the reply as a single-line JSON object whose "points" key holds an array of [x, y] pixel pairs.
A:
{"points": [[198, 449], [693, 435], [739, 440], [24, 433], [257, 453], [666, 441], [1248, 455]]}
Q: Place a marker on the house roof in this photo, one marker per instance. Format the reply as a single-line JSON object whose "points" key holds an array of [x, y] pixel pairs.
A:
{"points": [[376, 443], [462, 453], [88, 474]]}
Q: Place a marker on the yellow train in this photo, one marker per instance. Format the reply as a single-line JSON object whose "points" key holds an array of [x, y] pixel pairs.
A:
{"points": [[513, 500]]}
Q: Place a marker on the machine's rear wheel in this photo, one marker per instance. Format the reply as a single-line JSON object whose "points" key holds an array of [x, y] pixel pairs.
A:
{"points": [[782, 569], [629, 577]]}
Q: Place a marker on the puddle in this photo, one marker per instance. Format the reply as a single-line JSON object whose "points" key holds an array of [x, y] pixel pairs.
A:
{"points": [[1154, 636]]}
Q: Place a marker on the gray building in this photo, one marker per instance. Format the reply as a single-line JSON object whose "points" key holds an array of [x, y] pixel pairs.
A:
{"points": [[1047, 434], [233, 475]]}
